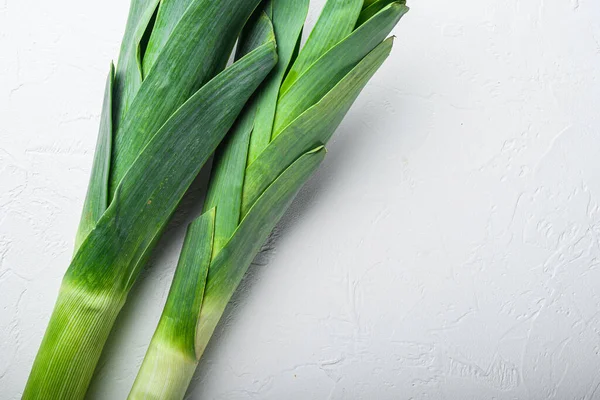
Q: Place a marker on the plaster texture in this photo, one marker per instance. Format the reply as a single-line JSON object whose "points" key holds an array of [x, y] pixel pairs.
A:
{"points": [[448, 248]]}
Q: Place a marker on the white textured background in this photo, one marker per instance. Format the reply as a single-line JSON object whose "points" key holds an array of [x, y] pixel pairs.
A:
{"points": [[449, 247]]}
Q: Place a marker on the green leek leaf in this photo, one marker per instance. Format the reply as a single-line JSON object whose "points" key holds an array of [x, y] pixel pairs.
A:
{"points": [[230, 265], [274, 147], [108, 261], [316, 125], [171, 358], [129, 225], [373, 9], [337, 20], [96, 200], [288, 20], [333, 65], [128, 78], [198, 48], [229, 166], [169, 14]]}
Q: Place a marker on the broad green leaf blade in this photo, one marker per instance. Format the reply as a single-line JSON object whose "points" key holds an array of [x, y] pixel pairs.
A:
{"points": [[373, 9], [316, 125], [128, 77], [331, 67], [227, 178], [96, 199], [258, 31], [337, 21], [229, 166], [180, 315], [181, 310], [171, 357], [196, 50], [153, 187], [288, 20], [230, 265], [169, 14]]}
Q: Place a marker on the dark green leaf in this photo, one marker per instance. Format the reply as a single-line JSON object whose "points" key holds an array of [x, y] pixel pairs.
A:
{"points": [[288, 20], [169, 15], [196, 50], [257, 32], [337, 21], [314, 126], [230, 265], [128, 78], [96, 199], [229, 166], [180, 315], [373, 9], [334, 65], [109, 258]]}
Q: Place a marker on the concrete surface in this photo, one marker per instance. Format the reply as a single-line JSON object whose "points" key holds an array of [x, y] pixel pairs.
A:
{"points": [[449, 248]]}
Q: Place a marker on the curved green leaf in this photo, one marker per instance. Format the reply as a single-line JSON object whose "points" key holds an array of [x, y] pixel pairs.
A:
{"points": [[171, 357], [257, 32], [169, 14], [373, 9], [96, 199], [128, 78], [316, 125], [331, 67], [196, 50], [288, 20], [110, 256], [230, 265], [187, 289], [337, 20], [229, 165]]}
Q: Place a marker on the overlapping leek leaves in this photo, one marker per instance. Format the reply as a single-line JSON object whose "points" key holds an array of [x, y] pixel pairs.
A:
{"points": [[163, 117], [277, 143]]}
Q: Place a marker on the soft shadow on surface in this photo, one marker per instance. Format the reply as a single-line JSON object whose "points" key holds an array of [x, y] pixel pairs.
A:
{"points": [[301, 206], [190, 208]]}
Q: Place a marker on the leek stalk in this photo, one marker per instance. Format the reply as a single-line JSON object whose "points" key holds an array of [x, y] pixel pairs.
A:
{"points": [[162, 119], [277, 143]]}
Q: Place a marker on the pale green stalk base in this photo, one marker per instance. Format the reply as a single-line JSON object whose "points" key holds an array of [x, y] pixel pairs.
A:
{"points": [[76, 334], [165, 373]]}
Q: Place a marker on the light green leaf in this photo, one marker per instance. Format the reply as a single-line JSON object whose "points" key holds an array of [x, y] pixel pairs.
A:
{"points": [[171, 358], [180, 315], [96, 199], [229, 166], [337, 21], [169, 15], [230, 265], [128, 78], [227, 178], [314, 126], [288, 20], [331, 67]]}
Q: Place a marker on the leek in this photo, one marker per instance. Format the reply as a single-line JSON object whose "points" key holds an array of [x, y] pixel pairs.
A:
{"points": [[167, 106], [277, 143]]}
